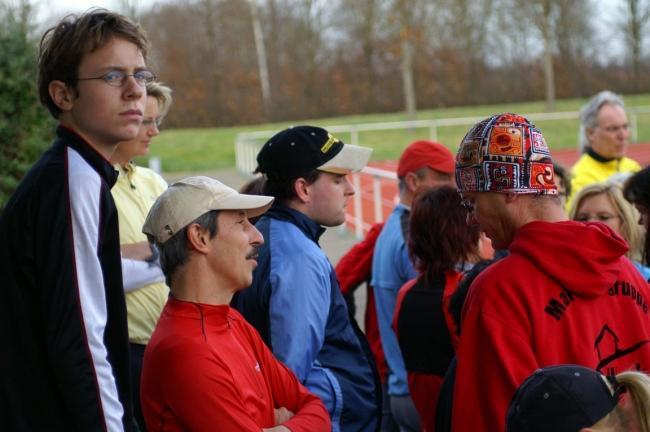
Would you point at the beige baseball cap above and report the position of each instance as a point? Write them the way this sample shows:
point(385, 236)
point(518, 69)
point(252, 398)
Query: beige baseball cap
point(192, 197)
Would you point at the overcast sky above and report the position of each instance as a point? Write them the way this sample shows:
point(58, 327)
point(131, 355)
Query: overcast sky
point(50, 10)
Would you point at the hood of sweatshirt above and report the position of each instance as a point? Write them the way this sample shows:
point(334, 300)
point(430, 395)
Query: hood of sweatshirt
point(582, 257)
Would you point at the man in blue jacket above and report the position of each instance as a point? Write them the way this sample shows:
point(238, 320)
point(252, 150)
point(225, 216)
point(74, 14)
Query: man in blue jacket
point(423, 164)
point(294, 301)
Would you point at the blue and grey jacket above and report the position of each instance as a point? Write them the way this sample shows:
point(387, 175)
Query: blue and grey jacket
point(296, 305)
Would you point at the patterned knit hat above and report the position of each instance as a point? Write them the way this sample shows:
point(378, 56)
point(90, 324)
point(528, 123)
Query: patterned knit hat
point(505, 153)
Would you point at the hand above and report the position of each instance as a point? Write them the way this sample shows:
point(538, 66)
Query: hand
point(140, 251)
point(282, 415)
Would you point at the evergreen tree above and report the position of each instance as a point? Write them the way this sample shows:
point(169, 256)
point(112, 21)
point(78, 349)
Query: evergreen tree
point(25, 126)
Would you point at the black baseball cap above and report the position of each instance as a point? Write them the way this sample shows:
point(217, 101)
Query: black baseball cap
point(564, 398)
point(298, 150)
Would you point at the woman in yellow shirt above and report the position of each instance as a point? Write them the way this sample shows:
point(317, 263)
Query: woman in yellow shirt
point(134, 193)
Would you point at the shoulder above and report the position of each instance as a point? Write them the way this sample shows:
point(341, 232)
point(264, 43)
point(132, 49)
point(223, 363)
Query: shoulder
point(628, 164)
point(151, 178)
point(583, 163)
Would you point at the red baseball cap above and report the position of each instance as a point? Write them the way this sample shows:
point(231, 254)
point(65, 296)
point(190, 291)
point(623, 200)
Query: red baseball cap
point(423, 153)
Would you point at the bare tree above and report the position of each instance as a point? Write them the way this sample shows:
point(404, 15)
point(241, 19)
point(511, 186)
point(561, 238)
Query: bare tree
point(633, 24)
point(129, 8)
point(404, 11)
point(261, 58)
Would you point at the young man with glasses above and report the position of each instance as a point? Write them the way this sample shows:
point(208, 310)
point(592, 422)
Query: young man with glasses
point(604, 140)
point(63, 325)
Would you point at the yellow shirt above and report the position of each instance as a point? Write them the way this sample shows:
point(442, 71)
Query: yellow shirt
point(588, 170)
point(134, 194)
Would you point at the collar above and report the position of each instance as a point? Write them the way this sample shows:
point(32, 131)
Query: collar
point(69, 138)
point(403, 207)
point(126, 172)
point(192, 310)
point(598, 157)
point(310, 228)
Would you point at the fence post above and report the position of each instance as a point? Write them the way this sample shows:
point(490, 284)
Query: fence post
point(358, 217)
point(378, 199)
point(354, 135)
point(433, 131)
point(154, 164)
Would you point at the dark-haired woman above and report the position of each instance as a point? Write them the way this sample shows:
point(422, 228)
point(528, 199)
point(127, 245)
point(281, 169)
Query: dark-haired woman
point(637, 191)
point(441, 245)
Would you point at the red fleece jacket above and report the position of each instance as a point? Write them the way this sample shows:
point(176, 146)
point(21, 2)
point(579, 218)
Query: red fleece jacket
point(565, 294)
point(207, 369)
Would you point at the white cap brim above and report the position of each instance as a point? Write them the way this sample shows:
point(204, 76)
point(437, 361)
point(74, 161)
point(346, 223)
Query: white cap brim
point(350, 159)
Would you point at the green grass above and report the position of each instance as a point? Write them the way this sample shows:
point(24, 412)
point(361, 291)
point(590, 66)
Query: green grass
point(194, 150)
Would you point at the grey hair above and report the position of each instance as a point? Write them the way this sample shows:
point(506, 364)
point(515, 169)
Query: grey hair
point(174, 253)
point(589, 114)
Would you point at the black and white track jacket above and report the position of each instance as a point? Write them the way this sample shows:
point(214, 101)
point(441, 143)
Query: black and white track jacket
point(64, 356)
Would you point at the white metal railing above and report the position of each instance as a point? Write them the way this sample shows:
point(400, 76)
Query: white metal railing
point(375, 196)
point(248, 144)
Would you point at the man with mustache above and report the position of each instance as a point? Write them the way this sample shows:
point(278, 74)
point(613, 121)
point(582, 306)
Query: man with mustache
point(63, 319)
point(205, 368)
point(295, 301)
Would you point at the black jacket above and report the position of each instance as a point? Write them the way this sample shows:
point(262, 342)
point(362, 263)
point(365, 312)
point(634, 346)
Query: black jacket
point(64, 361)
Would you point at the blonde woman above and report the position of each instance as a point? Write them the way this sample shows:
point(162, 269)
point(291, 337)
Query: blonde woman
point(604, 202)
point(571, 398)
point(134, 192)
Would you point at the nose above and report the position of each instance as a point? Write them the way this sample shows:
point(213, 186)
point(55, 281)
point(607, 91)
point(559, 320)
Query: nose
point(256, 237)
point(153, 130)
point(349, 189)
point(133, 90)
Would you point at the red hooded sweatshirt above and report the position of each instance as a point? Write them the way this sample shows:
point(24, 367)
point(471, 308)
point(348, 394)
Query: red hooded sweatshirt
point(565, 294)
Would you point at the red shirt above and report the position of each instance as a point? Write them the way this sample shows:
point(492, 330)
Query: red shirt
point(422, 328)
point(565, 294)
point(207, 369)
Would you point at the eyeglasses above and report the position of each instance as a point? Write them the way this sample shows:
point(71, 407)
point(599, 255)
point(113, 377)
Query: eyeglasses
point(117, 78)
point(148, 122)
point(615, 128)
point(468, 205)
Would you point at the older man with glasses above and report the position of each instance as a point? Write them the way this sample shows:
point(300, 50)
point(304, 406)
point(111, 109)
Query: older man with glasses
point(604, 140)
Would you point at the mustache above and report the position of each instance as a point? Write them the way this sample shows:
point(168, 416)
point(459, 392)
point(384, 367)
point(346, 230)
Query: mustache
point(253, 254)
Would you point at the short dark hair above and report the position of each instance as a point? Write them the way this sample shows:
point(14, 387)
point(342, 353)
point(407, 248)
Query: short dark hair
point(283, 190)
point(439, 237)
point(64, 46)
point(637, 191)
point(561, 173)
point(174, 252)
point(637, 188)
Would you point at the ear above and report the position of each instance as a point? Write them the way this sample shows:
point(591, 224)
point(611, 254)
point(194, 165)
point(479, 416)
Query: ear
point(302, 190)
point(411, 180)
point(62, 95)
point(590, 133)
point(198, 238)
